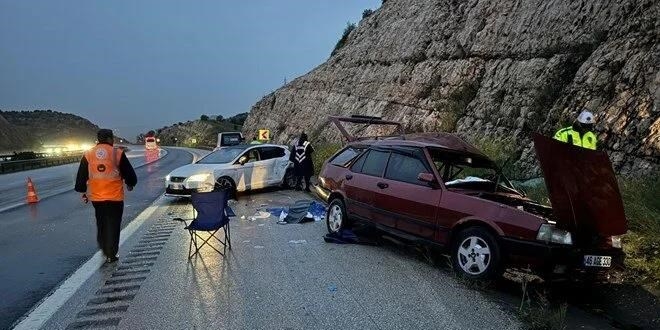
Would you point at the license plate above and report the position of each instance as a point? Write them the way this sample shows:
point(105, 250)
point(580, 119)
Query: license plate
point(176, 186)
point(597, 261)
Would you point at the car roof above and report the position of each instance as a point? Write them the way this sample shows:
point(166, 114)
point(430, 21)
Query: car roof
point(445, 141)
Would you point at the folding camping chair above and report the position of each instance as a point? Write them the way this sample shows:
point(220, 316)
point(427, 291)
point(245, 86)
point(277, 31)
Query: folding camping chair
point(213, 214)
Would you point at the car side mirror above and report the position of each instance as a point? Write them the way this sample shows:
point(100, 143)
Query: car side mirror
point(243, 160)
point(428, 178)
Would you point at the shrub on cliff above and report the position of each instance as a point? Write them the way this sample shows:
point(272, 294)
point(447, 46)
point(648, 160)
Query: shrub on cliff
point(344, 37)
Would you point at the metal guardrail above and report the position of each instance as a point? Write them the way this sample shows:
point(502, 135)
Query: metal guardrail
point(29, 164)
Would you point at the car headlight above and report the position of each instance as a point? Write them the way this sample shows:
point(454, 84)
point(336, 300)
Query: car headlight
point(198, 177)
point(549, 233)
point(167, 177)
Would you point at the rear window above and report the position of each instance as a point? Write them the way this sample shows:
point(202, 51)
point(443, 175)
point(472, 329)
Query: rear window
point(230, 139)
point(346, 156)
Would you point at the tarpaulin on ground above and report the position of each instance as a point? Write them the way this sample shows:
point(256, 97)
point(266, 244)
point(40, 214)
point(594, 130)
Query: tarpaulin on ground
point(301, 211)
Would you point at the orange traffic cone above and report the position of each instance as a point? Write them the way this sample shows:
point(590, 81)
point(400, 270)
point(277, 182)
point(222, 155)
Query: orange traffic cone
point(31, 193)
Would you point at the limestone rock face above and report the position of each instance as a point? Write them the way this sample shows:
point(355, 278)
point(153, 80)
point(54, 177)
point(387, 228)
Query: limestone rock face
point(496, 69)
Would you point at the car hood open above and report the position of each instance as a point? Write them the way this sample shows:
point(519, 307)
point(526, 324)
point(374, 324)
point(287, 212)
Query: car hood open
point(582, 188)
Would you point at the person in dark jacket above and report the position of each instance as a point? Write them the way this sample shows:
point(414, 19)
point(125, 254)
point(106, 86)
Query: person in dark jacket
point(303, 166)
point(102, 173)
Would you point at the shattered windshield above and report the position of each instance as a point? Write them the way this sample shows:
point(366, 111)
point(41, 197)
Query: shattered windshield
point(221, 156)
point(463, 171)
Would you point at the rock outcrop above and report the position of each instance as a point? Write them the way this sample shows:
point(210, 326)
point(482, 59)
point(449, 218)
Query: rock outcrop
point(496, 69)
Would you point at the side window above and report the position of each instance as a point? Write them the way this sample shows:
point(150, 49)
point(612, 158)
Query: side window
point(345, 156)
point(405, 168)
point(357, 166)
point(271, 152)
point(375, 162)
point(252, 155)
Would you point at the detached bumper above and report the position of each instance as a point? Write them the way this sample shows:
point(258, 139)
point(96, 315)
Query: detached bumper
point(560, 259)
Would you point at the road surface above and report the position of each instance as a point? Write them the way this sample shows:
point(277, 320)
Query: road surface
point(50, 181)
point(41, 244)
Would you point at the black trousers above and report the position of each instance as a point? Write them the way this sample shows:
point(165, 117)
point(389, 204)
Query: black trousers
point(108, 226)
point(299, 180)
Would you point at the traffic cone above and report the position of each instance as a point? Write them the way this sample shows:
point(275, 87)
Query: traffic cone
point(31, 193)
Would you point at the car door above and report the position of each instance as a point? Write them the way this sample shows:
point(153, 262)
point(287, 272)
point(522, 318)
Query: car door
point(248, 170)
point(360, 182)
point(275, 162)
point(404, 201)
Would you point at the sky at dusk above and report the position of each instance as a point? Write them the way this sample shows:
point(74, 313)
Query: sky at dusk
point(136, 65)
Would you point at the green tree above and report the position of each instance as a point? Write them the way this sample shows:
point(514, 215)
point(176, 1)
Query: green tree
point(344, 37)
point(204, 117)
point(366, 13)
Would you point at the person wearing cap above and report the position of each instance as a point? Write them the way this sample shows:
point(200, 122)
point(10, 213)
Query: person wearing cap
point(580, 133)
point(102, 173)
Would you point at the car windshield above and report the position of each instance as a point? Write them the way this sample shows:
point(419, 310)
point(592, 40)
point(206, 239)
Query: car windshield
point(222, 156)
point(463, 171)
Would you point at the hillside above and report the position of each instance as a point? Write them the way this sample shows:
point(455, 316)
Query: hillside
point(494, 70)
point(52, 127)
point(12, 139)
point(204, 130)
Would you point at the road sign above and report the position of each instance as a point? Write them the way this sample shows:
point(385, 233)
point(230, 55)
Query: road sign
point(264, 135)
point(193, 141)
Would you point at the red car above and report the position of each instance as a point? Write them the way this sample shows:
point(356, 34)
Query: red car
point(436, 188)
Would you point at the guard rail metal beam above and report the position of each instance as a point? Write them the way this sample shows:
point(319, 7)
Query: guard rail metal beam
point(29, 164)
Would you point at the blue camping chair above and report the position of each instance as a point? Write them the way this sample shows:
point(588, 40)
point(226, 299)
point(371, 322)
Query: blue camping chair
point(213, 214)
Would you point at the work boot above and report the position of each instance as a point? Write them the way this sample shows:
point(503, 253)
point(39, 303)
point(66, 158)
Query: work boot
point(111, 259)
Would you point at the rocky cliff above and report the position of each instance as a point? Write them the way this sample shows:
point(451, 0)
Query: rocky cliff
point(496, 69)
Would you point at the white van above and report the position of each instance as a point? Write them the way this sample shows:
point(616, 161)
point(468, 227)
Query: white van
point(227, 139)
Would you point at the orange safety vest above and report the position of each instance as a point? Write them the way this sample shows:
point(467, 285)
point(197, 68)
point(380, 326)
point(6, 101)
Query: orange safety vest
point(105, 182)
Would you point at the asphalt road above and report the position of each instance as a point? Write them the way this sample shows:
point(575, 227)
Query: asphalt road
point(49, 181)
point(40, 245)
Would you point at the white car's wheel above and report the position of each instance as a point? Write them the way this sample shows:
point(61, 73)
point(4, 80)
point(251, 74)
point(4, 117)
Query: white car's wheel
point(226, 183)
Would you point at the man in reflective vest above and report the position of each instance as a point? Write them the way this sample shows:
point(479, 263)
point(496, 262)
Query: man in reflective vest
point(101, 176)
point(580, 133)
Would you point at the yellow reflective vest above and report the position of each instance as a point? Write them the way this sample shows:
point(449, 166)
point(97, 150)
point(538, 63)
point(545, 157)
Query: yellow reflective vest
point(568, 134)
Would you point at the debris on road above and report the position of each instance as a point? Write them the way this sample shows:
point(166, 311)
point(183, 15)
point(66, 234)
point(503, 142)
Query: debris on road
point(299, 241)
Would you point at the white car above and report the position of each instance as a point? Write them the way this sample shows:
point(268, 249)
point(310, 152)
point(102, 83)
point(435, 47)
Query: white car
point(237, 168)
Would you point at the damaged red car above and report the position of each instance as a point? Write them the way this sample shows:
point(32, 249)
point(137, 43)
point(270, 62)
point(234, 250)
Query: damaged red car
point(436, 188)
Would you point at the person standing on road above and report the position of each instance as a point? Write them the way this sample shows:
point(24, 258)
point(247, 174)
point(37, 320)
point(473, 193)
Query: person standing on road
point(303, 166)
point(580, 133)
point(101, 176)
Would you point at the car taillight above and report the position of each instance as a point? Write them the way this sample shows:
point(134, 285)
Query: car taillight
point(615, 242)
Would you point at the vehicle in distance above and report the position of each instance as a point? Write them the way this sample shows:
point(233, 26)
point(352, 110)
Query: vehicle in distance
point(237, 168)
point(436, 188)
point(150, 143)
point(228, 139)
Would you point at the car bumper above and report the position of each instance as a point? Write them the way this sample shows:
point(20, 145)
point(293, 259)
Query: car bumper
point(560, 259)
point(322, 193)
point(179, 192)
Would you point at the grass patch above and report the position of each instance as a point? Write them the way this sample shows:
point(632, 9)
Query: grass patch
point(641, 200)
point(323, 152)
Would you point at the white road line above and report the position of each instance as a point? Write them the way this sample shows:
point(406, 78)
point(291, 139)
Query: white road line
point(45, 309)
